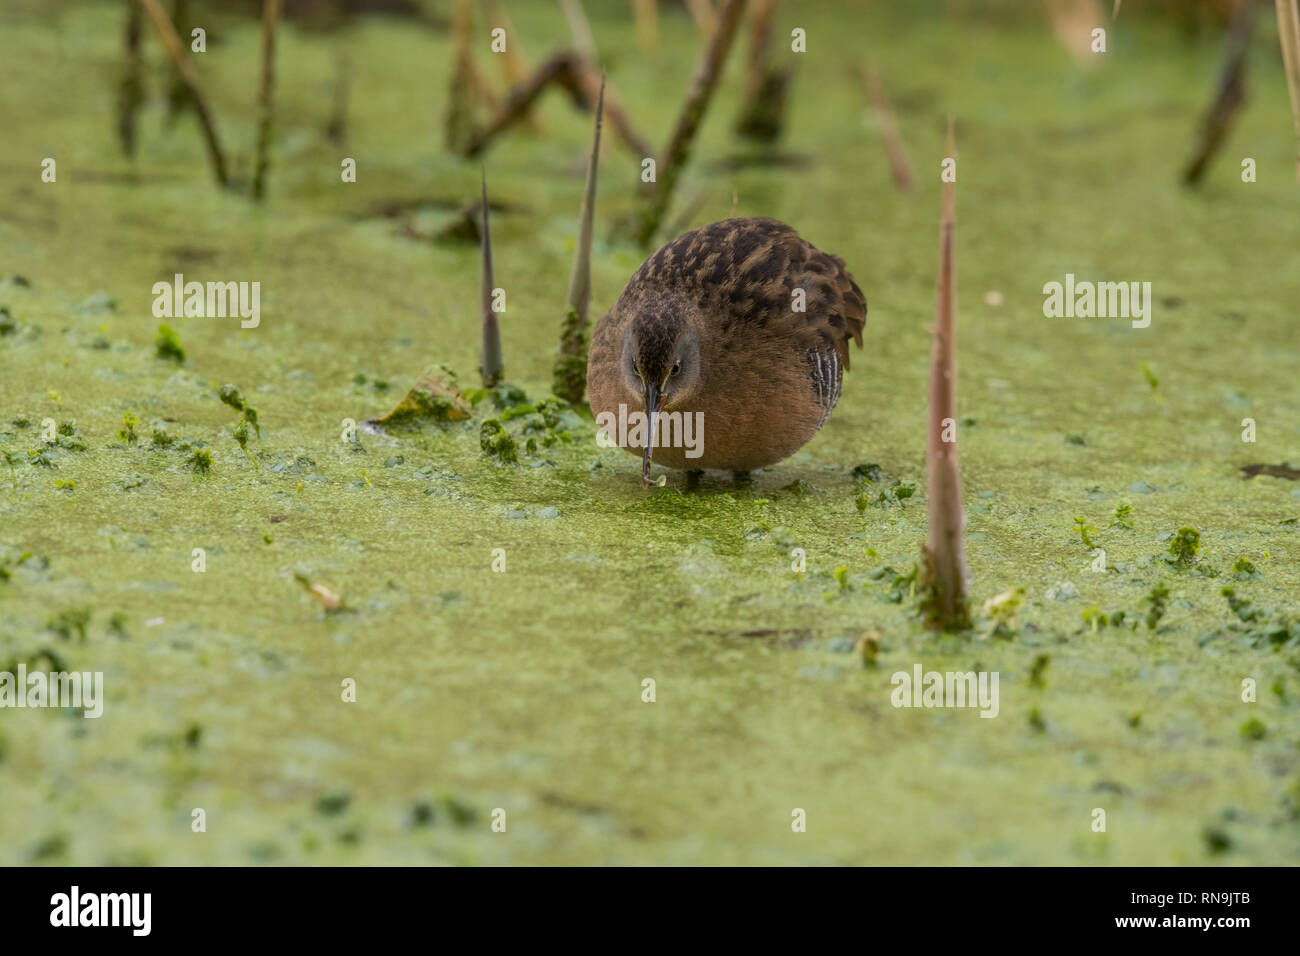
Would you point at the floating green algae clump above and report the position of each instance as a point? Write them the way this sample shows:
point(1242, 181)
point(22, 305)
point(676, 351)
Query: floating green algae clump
point(496, 442)
point(1184, 546)
point(435, 396)
point(200, 461)
point(1157, 602)
point(168, 345)
point(230, 396)
point(126, 434)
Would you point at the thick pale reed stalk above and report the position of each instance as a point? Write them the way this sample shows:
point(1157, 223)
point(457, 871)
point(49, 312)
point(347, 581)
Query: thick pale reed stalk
point(514, 63)
point(702, 13)
point(1073, 22)
point(647, 25)
point(493, 365)
point(579, 29)
point(688, 121)
point(1288, 29)
point(172, 44)
point(944, 573)
point(889, 135)
point(266, 122)
point(570, 376)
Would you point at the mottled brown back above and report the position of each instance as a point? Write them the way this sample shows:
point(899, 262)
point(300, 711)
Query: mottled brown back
point(743, 272)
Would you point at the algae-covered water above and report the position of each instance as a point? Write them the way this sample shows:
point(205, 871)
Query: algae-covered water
point(521, 690)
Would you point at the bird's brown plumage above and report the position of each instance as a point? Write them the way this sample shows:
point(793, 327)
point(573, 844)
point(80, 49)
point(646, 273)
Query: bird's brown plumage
point(768, 375)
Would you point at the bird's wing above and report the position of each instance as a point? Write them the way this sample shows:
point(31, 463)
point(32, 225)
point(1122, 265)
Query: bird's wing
point(826, 373)
point(759, 272)
point(834, 307)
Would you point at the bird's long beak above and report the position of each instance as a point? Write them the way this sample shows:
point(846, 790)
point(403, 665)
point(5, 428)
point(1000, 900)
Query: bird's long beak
point(654, 403)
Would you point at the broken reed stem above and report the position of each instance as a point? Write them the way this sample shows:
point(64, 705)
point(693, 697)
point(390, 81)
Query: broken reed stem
point(944, 556)
point(172, 44)
point(889, 135)
point(688, 121)
point(762, 112)
point(647, 25)
point(270, 16)
point(570, 376)
point(458, 128)
point(582, 84)
point(1073, 22)
point(760, 42)
point(177, 93)
point(1231, 93)
point(468, 84)
point(131, 91)
point(579, 29)
point(492, 365)
point(519, 101)
point(1288, 29)
point(513, 61)
point(702, 13)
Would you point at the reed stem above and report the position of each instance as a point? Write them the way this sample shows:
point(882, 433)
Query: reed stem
point(131, 91)
point(944, 574)
point(888, 126)
point(270, 17)
point(688, 121)
point(570, 376)
point(493, 365)
point(172, 44)
point(1288, 29)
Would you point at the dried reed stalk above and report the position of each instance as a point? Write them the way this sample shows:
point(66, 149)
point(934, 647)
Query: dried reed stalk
point(944, 574)
point(1288, 28)
point(889, 135)
point(688, 120)
point(266, 122)
point(1230, 93)
point(172, 44)
point(493, 365)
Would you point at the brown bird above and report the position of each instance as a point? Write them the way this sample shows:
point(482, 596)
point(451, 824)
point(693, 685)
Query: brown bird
point(740, 326)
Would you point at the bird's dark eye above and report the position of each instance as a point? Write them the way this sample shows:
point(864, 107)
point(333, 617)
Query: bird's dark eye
point(677, 368)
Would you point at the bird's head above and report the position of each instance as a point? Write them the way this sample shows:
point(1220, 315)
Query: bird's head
point(661, 365)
